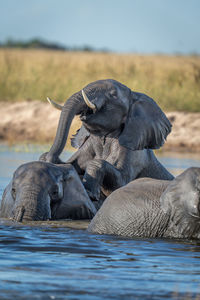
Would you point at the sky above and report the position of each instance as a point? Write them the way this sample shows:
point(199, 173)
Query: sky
point(139, 26)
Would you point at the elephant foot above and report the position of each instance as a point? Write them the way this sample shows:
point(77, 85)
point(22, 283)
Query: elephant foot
point(92, 187)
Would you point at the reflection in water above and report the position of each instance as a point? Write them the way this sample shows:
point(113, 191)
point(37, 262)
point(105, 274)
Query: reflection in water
point(60, 260)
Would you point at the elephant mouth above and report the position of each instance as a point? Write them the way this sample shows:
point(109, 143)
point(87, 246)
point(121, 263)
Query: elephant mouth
point(96, 130)
point(86, 115)
point(54, 208)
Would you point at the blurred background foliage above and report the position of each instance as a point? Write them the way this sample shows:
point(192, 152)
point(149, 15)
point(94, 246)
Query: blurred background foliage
point(30, 74)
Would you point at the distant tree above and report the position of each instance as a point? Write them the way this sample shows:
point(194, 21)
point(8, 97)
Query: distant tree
point(38, 43)
point(33, 43)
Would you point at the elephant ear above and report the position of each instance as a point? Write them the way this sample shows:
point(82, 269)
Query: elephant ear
point(7, 202)
point(75, 203)
point(80, 137)
point(146, 125)
point(183, 192)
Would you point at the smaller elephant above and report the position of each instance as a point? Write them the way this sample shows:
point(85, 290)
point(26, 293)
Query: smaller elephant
point(42, 191)
point(153, 208)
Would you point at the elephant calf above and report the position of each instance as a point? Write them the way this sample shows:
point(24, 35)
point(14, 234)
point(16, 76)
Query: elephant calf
point(42, 191)
point(153, 208)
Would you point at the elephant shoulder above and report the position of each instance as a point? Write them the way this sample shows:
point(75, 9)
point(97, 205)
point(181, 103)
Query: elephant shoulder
point(80, 137)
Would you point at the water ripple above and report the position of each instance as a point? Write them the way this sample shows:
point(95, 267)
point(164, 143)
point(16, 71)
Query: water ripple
point(60, 260)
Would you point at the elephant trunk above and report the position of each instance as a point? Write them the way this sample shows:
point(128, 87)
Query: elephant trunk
point(72, 107)
point(19, 214)
point(23, 213)
point(32, 206)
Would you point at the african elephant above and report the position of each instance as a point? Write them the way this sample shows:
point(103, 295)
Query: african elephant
point(120, 127)
point(42, 191)
point(153, 208)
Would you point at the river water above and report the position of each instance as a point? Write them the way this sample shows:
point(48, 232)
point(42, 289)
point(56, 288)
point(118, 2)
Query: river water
point(56, 260)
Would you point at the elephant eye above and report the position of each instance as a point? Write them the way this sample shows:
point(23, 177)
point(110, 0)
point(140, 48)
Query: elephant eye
point(13, 193)
point(68, 177)
point(54, 192)
point(113, 94)
point(198, 207)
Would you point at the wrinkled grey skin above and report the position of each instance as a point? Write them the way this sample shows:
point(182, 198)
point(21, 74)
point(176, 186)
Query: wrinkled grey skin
point(114, 138)
point(42, 191)
point(153, 208)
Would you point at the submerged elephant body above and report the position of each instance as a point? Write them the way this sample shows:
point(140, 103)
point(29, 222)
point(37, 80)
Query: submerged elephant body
point(145, 207)
point(120, 127)
point(42, 191)
point(153, 208)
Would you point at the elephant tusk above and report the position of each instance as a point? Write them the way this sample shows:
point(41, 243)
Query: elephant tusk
point(87, 101)
point(54, 104)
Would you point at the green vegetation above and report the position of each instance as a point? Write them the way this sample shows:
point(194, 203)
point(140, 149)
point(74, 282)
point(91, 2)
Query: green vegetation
point(37, 43)
point(173, 81)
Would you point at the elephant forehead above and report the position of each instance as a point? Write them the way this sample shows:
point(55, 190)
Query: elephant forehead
point(31, 166)
point(191, 175)
point(104, 89)
point(99, 87)
point(32, 172)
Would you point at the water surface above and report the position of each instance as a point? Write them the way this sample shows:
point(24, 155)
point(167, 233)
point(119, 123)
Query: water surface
point(55, 260)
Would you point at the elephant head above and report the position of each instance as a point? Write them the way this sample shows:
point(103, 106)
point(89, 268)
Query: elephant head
point(181, 201)
point(42, 191)
point(107, 107)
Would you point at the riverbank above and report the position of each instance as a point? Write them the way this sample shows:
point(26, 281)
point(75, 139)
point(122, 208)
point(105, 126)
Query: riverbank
point(35, 121)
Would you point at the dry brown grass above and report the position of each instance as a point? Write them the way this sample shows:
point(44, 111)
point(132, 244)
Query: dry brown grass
point(173, 81)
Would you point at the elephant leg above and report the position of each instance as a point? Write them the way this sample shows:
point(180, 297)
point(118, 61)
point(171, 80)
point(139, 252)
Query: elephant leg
point(101, 173)
point(82, 157)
